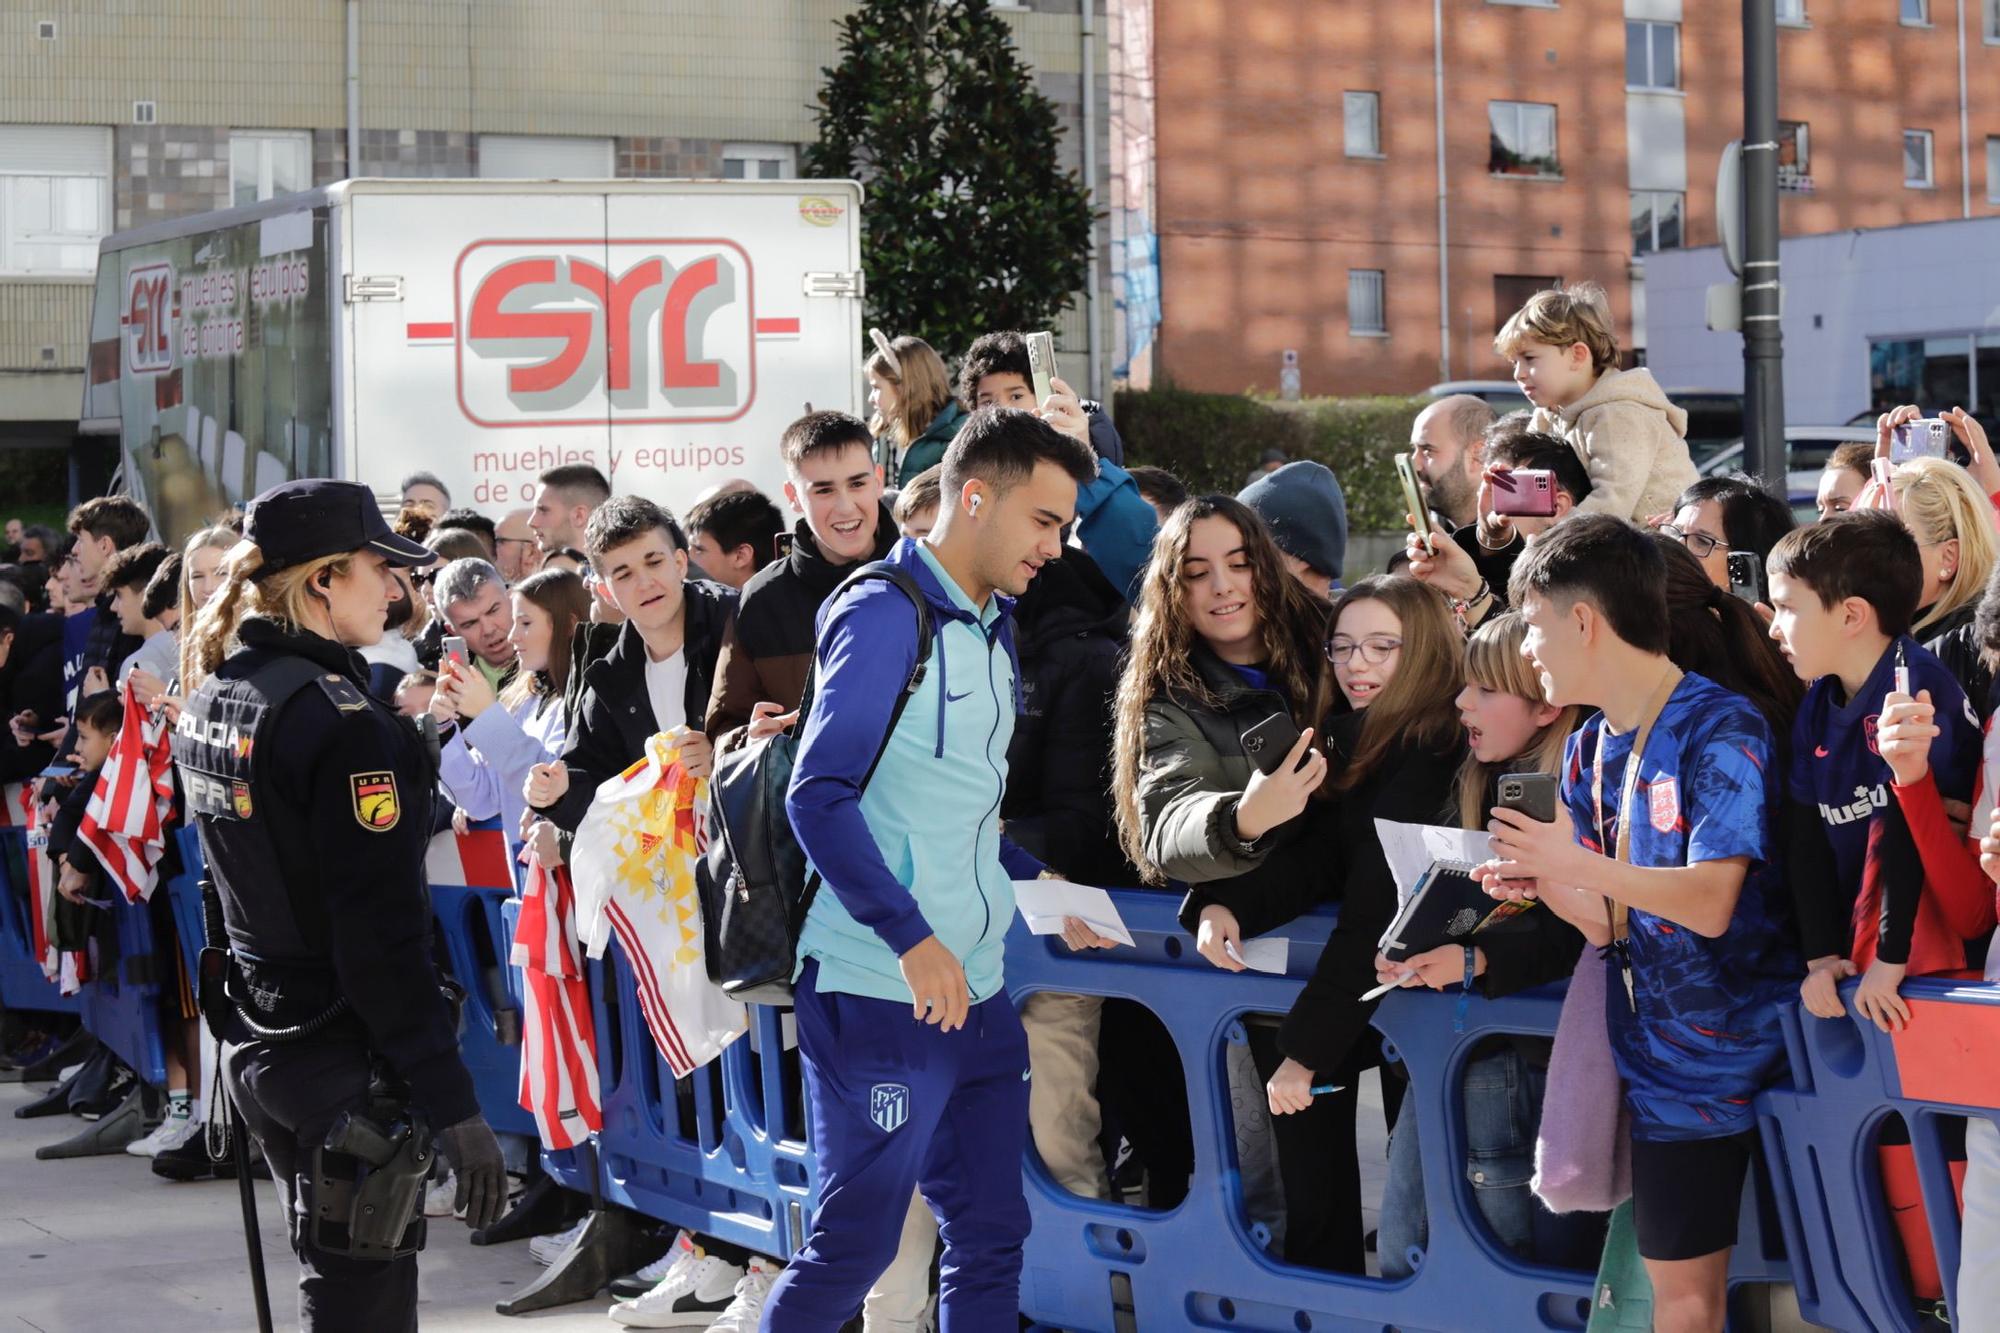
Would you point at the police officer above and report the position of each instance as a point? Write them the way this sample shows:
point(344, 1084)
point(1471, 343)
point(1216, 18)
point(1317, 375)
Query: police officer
point(313, 801)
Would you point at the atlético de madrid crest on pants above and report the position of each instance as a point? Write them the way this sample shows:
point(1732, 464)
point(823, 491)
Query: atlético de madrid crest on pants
point(889, 1106)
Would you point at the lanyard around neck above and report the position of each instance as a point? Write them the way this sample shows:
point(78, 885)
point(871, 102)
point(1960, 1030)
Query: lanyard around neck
point(1615, 912)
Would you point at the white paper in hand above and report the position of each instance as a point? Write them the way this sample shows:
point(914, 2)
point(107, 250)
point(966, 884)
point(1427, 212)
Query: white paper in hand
point(1266, 953)
point(1410, 848)
point(1045, 902)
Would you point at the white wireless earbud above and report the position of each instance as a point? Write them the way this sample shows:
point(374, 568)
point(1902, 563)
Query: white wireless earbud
point(975, 503)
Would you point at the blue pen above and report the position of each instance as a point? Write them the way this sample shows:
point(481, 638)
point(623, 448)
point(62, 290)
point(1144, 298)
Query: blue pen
point(1324, 1088)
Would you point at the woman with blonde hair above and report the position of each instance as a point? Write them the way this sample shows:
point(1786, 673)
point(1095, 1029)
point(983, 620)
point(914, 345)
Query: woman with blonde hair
point(911, 396)
point(1509, 728)
point(1953, 524)
point(312, 800)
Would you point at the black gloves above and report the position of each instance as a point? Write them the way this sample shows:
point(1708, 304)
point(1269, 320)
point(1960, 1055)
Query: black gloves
point(474, 1154)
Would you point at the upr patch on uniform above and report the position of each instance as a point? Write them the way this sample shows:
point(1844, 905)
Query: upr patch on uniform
point(375, 803)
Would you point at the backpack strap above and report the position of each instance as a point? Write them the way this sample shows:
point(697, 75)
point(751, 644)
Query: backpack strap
point(884, 572)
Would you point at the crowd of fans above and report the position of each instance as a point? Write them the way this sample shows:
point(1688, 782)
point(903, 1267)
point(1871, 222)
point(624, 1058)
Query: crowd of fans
point(1813, 745)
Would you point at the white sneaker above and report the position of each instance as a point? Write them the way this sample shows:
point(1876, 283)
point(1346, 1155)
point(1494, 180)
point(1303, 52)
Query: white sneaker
point(746, 1312)
point(441, 1196)
point(545, 1250)
point(694, 1288)
point(172, 1132)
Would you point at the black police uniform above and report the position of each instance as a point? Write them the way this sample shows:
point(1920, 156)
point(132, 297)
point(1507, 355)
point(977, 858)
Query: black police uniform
point(313, 803)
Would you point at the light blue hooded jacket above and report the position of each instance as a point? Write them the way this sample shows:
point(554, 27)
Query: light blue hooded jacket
point(919, 853)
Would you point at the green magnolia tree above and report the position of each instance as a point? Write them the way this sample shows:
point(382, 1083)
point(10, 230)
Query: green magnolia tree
point(971, 224)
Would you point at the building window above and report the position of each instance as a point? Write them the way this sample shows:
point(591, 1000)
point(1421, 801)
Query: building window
point(1366, 307)
point(1512, 290)
point(538, 157)
point(1656, 220)
point(1917, 160)
point(55, 198)
point(1652, 55)
point(264, 164)
point(1992, 170)
point(1361, 119)
point(1916, 13)
point(758, 162)
point(1794, 155)
point(1990, 21)
point(1523, 139)
point(1790, 11)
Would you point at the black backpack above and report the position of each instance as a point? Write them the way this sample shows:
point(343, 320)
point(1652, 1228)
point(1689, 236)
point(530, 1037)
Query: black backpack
point(754, 887)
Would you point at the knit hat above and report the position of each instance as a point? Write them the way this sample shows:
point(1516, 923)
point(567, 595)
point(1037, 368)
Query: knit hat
point(1302, 505)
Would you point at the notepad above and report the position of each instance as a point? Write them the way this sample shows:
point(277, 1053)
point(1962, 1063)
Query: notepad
point(1441, 901)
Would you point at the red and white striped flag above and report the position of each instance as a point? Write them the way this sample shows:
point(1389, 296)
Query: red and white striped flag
point(42, 893)
point(558, 1035)
point(125, 822)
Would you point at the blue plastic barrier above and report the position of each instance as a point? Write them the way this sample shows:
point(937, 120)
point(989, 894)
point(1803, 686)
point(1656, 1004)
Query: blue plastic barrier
point(22, 983)
point(477, 940)
point(717, 1157)
point(1821, 1132)
point(121, 1005)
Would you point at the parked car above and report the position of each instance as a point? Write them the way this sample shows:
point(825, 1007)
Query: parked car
point(1806, 450)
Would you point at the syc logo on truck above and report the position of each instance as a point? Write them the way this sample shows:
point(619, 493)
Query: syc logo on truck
point(587, 332)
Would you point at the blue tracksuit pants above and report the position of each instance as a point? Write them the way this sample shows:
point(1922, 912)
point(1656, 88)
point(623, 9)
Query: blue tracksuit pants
point(896, 1104)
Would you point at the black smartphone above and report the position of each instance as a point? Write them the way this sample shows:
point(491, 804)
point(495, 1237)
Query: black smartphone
point(1533, 794)
point(1270, 741)
point(1746, 577)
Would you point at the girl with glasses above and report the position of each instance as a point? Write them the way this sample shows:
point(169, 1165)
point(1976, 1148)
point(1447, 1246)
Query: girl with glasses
point(1394, 745)
point(1718, 515)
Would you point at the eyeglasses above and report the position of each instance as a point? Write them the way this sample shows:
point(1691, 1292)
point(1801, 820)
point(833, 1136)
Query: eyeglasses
point(1374, 650)
point(513, 541)
point(1699, 544)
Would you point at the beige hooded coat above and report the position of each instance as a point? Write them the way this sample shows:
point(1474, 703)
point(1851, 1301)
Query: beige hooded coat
point(1632, 440)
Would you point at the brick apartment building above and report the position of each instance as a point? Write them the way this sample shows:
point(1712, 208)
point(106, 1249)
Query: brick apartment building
point(118, 114)
point(1292, 194)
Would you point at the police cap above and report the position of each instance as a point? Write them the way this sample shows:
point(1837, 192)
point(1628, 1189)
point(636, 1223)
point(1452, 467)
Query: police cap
point(297, 521)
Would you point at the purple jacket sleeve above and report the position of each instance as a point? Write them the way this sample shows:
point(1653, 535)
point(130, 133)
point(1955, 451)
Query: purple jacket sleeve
point(867, 645)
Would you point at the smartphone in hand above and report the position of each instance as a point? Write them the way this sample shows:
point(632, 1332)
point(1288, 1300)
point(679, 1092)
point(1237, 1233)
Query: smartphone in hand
point(1270, 741)
point(1042, 364)
point(454, 650)
point(1413, 502)
point(1746, 577)
point(1532, 794)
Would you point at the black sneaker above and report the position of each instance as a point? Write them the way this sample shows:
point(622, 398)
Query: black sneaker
point(190, 1161)
point(116, 1089)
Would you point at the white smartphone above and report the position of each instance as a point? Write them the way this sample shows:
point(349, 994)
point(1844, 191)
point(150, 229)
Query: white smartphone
point(1042, 364)
point(454, 650)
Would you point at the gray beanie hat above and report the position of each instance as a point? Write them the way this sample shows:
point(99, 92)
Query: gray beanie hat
point(1302, 505)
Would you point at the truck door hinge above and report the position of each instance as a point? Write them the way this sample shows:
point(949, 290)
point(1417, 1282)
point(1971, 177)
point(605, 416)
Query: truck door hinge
point(371, 288)
point(835, 284)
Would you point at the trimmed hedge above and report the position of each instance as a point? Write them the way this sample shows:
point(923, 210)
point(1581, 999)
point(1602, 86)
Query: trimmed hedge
point(1213, 441)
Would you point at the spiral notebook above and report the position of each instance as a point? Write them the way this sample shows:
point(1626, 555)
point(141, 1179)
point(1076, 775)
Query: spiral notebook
point(1441, 901)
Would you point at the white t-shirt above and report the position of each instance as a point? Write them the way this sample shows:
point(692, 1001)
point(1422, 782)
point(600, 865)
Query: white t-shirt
point(666, 686)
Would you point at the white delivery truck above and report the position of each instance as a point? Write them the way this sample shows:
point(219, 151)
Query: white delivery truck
point(664, 332)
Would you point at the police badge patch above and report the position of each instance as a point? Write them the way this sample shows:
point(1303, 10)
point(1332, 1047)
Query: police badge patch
point(375, 803)
point(239, 794)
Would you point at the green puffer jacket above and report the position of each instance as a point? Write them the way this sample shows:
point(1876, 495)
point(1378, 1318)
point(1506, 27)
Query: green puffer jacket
point(927, 450)
point(1194, 771)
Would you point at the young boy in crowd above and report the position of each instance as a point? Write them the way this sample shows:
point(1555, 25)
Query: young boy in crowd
point(1161, 489)
point(733, 535)
point(1662, 853)
point(98, 719)
point(1843, 593)
point(1114, 522)
point(834, 485)
point(1619, 422)
point(917, 506)
point(127, 575)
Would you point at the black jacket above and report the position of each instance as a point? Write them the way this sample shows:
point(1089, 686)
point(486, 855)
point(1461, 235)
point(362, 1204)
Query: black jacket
point(1070, 635)
point(32, 681)
point(613, 718)
point(1956, 643)
point(1337, 857)
point(766, 654)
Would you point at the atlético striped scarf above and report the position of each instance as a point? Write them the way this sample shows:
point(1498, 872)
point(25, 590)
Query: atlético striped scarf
point(125, 822)
point(558, 1036)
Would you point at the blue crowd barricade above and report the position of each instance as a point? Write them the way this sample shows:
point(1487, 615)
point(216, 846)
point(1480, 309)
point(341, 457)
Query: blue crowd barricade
point(1821, 1134)
point(1090, 1263)
point(23, 985)
point(120, 1004)
point(715, 1152)
point(184, 896)
point(471, 881)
